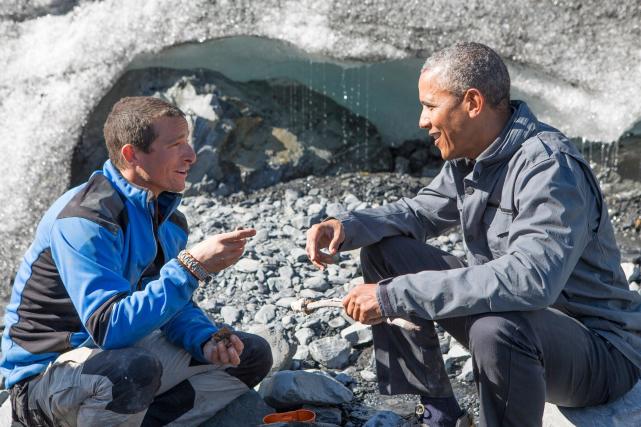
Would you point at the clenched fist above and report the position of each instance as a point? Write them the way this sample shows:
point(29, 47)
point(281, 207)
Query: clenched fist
point(224, 352)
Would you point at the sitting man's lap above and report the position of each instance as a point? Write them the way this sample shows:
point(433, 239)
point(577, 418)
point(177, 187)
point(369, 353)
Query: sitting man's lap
point(152, 383)
point(521, 357)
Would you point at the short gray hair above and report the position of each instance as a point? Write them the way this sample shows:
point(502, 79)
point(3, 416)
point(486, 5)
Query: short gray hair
point(468, 65)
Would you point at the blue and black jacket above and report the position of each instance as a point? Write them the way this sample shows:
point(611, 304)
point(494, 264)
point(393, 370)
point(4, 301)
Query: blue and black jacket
point(102, 272)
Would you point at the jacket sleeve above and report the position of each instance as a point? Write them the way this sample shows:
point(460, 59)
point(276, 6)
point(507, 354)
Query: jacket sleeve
point(189, 329)
point(545, 241)
point(429, 214)
point(89, 260)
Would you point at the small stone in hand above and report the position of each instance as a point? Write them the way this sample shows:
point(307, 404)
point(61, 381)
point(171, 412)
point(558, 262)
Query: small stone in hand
point(223, 334)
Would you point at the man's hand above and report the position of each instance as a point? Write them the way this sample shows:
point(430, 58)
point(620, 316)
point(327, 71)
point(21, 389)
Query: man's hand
point(361, 304)
point(221, 250)
point(224, 353)
point(328, 234)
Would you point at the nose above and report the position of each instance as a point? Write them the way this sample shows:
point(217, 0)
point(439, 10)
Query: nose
point(424, 121)
point(190, 154)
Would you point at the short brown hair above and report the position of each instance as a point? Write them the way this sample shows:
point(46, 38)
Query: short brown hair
point(130, 122)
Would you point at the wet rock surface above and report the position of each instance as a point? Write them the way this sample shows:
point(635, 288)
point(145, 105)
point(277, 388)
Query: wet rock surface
point(289, 389)
point(248, 410)
point(246, 135)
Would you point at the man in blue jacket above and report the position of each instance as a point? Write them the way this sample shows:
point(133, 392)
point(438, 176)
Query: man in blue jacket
point(101, 328)
point(541, 300)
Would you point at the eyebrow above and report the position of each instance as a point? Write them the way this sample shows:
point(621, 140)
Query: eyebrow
point(179, 137)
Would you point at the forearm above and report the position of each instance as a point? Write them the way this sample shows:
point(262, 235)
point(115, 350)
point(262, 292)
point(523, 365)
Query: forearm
point(122, 322)
point(510, 283)
point(406, 217)
point(545, 241)
point(190, 329)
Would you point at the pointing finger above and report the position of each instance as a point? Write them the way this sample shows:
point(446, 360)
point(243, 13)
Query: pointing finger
point(237, 234)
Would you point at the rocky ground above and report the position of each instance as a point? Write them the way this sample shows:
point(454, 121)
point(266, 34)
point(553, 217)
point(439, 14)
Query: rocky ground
point(323, 361)
point(255, 295)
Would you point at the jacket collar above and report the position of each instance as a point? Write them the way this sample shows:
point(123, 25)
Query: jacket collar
point(140, 197)
point(521, 126)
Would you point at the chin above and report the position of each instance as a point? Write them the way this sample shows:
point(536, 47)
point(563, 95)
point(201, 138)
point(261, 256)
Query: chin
point(178, 188)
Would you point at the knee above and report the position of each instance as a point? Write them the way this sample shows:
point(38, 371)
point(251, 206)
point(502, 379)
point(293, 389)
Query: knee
point(133, 376)
point(261, 353)
point(492, 337)
point(369, 254)
point(373, 258)
point(255, 361)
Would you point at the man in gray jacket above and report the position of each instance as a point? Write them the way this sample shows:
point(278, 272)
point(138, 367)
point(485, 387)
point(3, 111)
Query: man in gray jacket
point(541, 301)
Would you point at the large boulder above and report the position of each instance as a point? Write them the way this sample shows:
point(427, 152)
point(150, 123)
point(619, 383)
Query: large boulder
point(623, 412)
point(289, 389)
point(248, 410)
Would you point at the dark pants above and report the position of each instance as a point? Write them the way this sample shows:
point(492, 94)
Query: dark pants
point(521, 359)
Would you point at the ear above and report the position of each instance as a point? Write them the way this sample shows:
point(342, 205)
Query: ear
point(474, 102)
point(128, 153)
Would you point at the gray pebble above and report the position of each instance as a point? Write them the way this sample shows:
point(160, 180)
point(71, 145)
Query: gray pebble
point(266, 314)
point(332, 352)
point(230, 315)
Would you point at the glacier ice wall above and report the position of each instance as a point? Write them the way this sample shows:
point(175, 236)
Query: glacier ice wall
point(59, 57)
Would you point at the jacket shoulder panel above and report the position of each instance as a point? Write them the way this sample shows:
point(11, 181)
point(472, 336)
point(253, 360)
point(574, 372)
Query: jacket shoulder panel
point(180, 220)
point(98, 202)
point(548, 143)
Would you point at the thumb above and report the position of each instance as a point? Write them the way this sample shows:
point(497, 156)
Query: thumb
point(335, 242)
point(333, 246)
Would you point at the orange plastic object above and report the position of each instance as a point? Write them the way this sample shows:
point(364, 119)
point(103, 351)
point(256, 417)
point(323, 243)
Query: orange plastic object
point(301, 415)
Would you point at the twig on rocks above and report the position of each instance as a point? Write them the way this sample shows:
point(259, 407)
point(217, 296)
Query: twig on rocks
point(307, 306)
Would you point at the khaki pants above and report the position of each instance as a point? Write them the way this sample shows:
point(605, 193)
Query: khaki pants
point(152, 383)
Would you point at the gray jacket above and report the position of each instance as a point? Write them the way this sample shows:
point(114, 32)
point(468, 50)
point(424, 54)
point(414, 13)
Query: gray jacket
point(536, 231)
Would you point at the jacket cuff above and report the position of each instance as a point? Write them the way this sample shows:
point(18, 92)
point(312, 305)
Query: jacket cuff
point(182, 275)
point(347, 220)
point(383, 298)
point(200, 339)
point(338, 217)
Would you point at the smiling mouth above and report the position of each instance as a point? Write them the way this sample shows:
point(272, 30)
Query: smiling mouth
point(435, 136)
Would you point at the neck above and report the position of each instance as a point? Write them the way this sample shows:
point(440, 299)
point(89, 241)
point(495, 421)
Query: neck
point(490, 127)
point(137, 179)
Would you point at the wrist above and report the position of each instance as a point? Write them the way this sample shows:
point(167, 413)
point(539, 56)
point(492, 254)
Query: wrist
point(192, 265)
